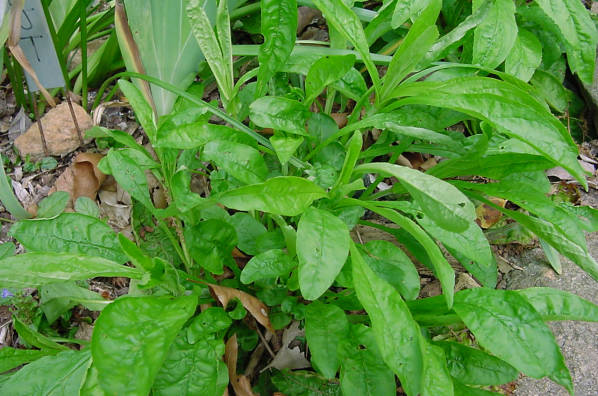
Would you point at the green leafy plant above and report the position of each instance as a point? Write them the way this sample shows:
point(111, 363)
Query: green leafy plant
point(289, 202)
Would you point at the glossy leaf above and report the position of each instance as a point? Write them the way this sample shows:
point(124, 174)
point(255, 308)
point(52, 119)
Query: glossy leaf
point(211, 243)
point(397, 334)
point(57, 298)
point(69, 233)
point(363, 374)
point(525, 56)
point(447, 206)
point(240, 161)
point(554, 304)
point(32, 337)
point(270, 264)
point(476, 367)
point(391, 264)
point(285, 195)
point(58, 375)
point(322, 249)
point(190, 135)
point(503, 322)
point(437, 380)
point(326, 325)
point(285, 146)
point(131, 340)
point(210, 321)
point(248, 230)
point(490, 48)
point(37, 269)
point(578, 31)
point(192, 369)
point(279, 113)
point(324, 72)
point(551, 90)
point(279, 28)
point(143, 110)
point(53, 205)
point(130, 176)
point(11, 358)
point(506, 107)
point(353, 150)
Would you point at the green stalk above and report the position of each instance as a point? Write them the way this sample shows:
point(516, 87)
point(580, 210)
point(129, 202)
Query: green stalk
point(83, 32)
point(59, 51)
point(15, 80)
point(8, 198)
point(252, 50)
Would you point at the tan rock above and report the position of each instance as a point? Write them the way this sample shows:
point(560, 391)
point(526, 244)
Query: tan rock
point(59, 131)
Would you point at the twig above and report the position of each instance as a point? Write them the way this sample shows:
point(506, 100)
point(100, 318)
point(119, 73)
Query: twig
point(259, 333)
point(39, 126)
point(68, 100)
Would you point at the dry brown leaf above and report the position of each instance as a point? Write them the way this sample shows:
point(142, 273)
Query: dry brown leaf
point(305, 17)
point(240, 383)
point(287, 357)
point(82, 178)
point(487, 216)
point(257, 308)
point(340, 119)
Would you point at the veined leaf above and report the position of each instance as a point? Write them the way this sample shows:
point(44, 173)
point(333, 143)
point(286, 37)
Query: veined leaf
point(279, 28)
point(508, 108)
point(11, 357)
point(69, 233)
point(279, 113)
point(525, 56)
point(495, 36)
point(142, 108)
point(397, 334)
point(284, 195)
point(437, 380)
point(270, 264)
point(554, 304)
point(505, 324)
point(130, 176)
point(37, 269)
point(322, 249)
point(353, 150)
point(238, 160)
point(363, 374)
point(53, 205)
point(324, 72)
point(131, 339)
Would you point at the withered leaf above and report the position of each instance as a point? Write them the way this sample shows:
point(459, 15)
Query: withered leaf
point(257, 308)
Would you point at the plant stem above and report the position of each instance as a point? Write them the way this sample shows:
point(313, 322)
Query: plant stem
point(83, 32)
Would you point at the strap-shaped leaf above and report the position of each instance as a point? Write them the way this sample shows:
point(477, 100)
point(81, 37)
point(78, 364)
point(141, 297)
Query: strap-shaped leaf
point(554, 304)
point(490, 48)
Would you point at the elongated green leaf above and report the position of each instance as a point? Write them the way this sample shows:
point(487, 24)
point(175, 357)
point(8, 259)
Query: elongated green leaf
point(130, 176)
point(353, 150)
point(340, 16)
point(285, 146)
point(131, 339)
point(193, 369)
point(59, 375)
point(397, 334)
point(551, 90)
point(322, 249)
point(505, 324)
point(490, 48)
point(525, 56)
point(239, 160)
point(279, 113)
point(476, 367)
point(554, 304)
point(57, 298)
point(285, 195)
point(324, 72)
point(506, 107)
point(211, 243)
point(7, 249)
point(270, 264)
point(447, 206)
point(326, 326)
point(197, 134)
point(143, 110)
point(69, 233)
point(86, 206)
point(53, 205)
point(553, 257)
point(437, 380)
point(363, 374)
point(391, 264)
point(32, 337)
point(279, 28)
point(11, 357)
point(7, 196)
point(36, 269)
point(578, 31)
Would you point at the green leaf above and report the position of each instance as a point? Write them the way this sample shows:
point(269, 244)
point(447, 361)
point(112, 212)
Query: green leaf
point(34, 338)
point(391, 264)
point(248, 230)
point(476, 367)
point(437, 380)
point(239, 160)
point(69, 233)
point(57, 298)
point(322, 249)
point(279, 28)
point(525, 56)
point(211, 243)
point(447, 206)
point(53, 205)
point(552, 256)
point(304, 383)
point(210, 321)
point(397, 334)
point(7, 196)
point(553, 304)
point(36, 269)
point(189, 134)
point(324, 72)
point(326, 325)
point(279, 113)
point(142, 109)
point(551, 90)
point(285, 195)
point(192, 369)
point(495, 36)
point(7, 249)
point(363, 374)
point(130, 176)
point(285, 146)
point(131, 339)
point(464, 390)
point(353, 150)
point(505, 324)
point(578, 31)
point(270, 264)
point(59, 375)
point(506, 107)
point(87, 206)
point(11, 357)
point(340, 16)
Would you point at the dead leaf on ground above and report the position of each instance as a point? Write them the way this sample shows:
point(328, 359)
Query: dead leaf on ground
point(82, 178)
point(562, 174)
point(240, 383)
point(340, 119)
point(305, 17)
point(59, 130)
point(486, 215)
point(257, 308)
point(287, 357)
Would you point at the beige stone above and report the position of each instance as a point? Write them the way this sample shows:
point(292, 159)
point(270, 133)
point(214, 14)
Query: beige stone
point(59, 131)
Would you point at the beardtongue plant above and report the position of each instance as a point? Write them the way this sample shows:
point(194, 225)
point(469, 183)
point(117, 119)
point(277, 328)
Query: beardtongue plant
point(289, 203)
